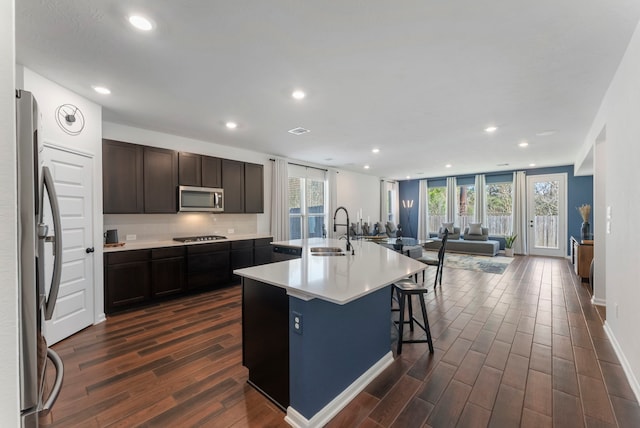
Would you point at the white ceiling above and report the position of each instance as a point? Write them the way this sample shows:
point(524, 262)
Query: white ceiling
point(418, 79)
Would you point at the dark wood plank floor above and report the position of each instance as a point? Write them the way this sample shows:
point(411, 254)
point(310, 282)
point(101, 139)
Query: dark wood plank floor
point(520, 349)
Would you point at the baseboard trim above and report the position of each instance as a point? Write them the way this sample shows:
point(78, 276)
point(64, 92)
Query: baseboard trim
point(597, 301)
point(633, 381)
point(295, 419)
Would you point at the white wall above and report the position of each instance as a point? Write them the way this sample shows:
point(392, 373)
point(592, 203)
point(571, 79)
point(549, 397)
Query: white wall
point(9, 392)
point(358, 192)
point(49, 96)
point(163, 226)
point(619, 113)
point(600, 221)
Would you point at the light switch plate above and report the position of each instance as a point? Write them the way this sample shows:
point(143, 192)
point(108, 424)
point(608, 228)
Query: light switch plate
point(131, 237)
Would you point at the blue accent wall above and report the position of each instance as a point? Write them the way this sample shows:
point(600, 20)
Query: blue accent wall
point(579, 191)
point(337, 345)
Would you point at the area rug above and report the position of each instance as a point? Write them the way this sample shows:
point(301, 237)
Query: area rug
point(497, 264)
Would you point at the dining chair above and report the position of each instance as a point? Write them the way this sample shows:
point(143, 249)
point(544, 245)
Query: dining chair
point(439, 262)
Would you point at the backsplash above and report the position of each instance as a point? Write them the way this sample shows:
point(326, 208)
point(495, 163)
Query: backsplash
point(159, 227)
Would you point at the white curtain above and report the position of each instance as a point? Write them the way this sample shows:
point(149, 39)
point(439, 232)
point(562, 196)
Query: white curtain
point(423, 211)
point(383, 203)
point(332, 182)
point(480, 206)
point(451, 200)
point(520, 212)
point(396, 202)
point(280, 200)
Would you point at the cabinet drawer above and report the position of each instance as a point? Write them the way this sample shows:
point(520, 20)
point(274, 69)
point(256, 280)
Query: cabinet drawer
point(238, 245)
point(208, 248)
point(163, 253)
point(263, 242)
point(128, 256)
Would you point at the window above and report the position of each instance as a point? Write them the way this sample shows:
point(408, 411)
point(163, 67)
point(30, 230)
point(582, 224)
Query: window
point(465, 205)
point(307, 210)
point(437, 207)
point(499, 208)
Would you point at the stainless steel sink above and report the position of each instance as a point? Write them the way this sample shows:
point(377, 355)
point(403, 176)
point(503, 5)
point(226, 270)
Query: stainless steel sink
point(326, 250)
point(327, 254)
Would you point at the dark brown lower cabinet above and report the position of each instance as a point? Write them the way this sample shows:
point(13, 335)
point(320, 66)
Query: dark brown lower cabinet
point(136, 277)
point(241, 257)
point(168, 268)
point(127, 279)
point(262, 251)
point(208, 266)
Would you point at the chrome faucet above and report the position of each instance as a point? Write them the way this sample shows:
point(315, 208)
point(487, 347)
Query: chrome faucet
point(349, 246)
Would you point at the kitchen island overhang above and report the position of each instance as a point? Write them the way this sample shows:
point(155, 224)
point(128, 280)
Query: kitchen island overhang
point(337, 330)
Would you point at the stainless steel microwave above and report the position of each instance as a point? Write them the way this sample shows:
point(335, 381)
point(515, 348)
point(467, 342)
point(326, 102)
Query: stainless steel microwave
point(202, 199)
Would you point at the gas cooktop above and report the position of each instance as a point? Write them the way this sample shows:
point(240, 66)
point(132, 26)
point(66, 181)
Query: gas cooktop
point(200, 238)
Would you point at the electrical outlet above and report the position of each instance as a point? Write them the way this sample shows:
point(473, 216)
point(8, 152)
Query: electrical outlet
point(297, 322)
point(231, 230)
point(131, 237)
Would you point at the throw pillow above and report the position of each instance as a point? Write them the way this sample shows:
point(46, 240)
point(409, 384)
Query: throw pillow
point(475, 228)
point(447, 226)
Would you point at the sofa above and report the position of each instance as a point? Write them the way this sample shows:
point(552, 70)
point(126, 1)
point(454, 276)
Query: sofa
point(469, 243)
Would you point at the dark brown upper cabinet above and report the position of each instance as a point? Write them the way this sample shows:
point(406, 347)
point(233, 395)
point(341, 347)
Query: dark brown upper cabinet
point(211, 171)
point(253, 188)
point(199, 170)
point(189, 169)
point(160, 180)
point(122, 178)
point(233, 185)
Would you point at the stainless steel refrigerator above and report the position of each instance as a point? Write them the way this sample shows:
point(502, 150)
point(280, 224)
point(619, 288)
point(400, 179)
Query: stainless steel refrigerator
point(37, 298)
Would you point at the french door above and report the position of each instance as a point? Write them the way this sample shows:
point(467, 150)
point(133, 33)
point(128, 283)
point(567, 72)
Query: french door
point(547, 215)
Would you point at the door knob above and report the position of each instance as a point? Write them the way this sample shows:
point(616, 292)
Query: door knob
point(89, 250)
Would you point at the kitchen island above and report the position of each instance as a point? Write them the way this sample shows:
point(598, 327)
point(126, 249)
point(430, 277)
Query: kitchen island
point(316, 330)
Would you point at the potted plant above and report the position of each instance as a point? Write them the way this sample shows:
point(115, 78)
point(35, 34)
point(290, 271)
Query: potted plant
point(508, 246)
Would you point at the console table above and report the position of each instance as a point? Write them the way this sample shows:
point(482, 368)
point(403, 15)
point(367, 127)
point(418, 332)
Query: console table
point(581, 256)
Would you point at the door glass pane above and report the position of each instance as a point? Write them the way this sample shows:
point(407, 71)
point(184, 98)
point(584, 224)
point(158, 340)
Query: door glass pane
point(295, 227)
point(546, 201)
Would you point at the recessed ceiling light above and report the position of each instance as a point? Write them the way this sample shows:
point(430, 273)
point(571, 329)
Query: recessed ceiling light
point(366, 167)
point(101, 90)
point(491, 129)
point(298, 94)
point(298, 131)
point(532, 164)
point(375, 151)
point(140, 22)
point(231, 125)
point(546, 133)
point(408, 177)
point(502, 164)
point(448, 165)
point(523, 144)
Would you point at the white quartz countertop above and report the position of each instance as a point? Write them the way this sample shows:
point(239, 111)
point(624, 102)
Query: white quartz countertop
point(145, 245)
point(337, 279)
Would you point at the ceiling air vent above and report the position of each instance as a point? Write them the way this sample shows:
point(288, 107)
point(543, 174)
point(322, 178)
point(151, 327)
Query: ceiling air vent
point(298, 131)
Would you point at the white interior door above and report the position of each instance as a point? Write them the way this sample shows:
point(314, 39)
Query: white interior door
point(73, 178)
point(547, 214)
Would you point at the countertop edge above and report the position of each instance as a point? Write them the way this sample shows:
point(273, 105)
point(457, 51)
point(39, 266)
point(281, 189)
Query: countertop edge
point(147, 245)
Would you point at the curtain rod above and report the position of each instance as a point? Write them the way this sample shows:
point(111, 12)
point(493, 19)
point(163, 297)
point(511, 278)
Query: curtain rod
point(304, 166)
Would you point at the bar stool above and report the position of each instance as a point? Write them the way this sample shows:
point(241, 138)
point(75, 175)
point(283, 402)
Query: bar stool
point(405, 288)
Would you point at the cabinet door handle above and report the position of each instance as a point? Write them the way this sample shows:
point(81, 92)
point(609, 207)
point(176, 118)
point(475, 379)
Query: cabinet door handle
point(89, 250)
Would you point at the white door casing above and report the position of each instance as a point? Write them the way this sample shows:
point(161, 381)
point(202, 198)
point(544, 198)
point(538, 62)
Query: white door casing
point(73, 179)
point(547, 215)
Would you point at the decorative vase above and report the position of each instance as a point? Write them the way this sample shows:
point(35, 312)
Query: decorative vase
point(584, 231)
